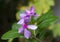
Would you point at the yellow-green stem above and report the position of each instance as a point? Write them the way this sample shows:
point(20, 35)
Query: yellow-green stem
point(34, 33)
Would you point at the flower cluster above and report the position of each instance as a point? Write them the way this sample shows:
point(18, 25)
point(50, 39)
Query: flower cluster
point(25, 18)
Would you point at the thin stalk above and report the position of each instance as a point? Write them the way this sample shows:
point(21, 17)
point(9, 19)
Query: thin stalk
point(36, 38)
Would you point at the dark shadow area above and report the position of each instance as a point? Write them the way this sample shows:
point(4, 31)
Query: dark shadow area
point(7, 16)
point(57, 9)
point(8, 9)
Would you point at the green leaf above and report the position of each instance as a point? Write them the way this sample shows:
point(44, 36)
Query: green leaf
point(56, 29)
point(43, 22)
point(10, 40)
point(47, 22)
point(10, 34)
point(45, 16)
point(15, 26)
point(46, 19)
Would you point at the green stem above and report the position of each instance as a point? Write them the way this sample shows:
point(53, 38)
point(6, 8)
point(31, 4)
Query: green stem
point(34, 36)
point(38, 40)
point(10, 40)
point(34, 33)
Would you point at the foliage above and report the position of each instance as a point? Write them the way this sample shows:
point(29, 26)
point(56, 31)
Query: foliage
point(44, 21)
point(42, 6)
point(55, 28)
point(15, 26)
point(11, 34)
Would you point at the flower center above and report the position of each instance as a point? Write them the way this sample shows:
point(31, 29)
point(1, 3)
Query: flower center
point(28, 16)
point(25, 26)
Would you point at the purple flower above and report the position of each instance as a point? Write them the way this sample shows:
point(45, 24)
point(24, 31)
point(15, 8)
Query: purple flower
point(31, 12)
point(24, 30)
point(24, 26)
point(24, 20)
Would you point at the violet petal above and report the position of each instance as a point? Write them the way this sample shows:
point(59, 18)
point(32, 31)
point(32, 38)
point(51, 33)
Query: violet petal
point(21, 21)
point(32, 27)
point(22, 15)
point(27, 33)
point(27, 12)
point(20, 30)
point(32, 9)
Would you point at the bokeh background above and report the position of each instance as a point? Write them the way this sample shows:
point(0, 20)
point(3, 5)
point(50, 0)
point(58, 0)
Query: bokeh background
point(8, 9)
